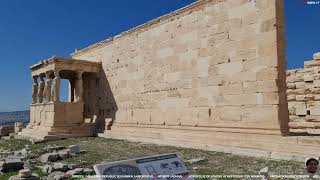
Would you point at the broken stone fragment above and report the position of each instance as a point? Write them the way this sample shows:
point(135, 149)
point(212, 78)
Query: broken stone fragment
point(63, 154)
point(29, 164)
point(57, 175)
point(73, 166)
point(25, 173)
point(264, 172)
point(77, 171)
point(22, 152)
point(74, 149)
point(195, 160)
point(11, 165)
point(47, 169)
point(51, 149)
point(49, 157)
point(60, 167)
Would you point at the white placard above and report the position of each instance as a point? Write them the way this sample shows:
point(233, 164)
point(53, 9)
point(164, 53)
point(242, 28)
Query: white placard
point(165, 166)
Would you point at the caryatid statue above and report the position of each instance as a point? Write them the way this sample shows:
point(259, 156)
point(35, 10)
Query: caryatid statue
point(56, 87)
point(47, 89)
point(40, 89)
point(35, 90)
point(79, 87)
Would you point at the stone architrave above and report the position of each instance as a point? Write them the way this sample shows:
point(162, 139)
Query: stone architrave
point(40, 90)
point(56, 87)
point(34, 90)
point(47, 89)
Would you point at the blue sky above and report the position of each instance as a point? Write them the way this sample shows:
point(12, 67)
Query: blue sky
point(37, 29)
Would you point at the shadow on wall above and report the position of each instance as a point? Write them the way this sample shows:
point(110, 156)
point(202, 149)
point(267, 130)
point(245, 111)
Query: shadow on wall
point(106, 104)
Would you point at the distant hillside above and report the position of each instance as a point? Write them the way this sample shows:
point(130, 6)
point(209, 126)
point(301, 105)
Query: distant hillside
point(9, 118)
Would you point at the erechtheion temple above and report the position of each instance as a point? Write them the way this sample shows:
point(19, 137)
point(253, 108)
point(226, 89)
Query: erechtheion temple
point(211, 75)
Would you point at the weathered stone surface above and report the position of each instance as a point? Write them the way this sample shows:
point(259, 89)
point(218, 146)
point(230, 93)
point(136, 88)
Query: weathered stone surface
point(57, 175)
point(74, 149)
point(22, 152)
point(77, 171)
point(63, 154)
point(264, 172)
point(49, 157)
point(47, 169)
point(25, 173)
point(11, 164)
point(60, 167)
point(51, 149)
point(29, 164)
point(196, 160)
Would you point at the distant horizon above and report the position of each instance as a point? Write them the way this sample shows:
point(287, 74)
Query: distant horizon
point(35, 31)
point(13, 111)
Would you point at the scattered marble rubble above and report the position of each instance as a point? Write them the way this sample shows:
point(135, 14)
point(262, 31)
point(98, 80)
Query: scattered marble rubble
point(45, 161)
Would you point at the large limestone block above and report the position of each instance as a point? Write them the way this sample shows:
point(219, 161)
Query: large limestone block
point(188, 37)
point(238, 100)
point(267, 86)
point(230, 113)
point(311, 118)
point(292, 97)
point(315, 111)
point(141, 116)
point(267, 74)
point(295, 91)
point(172, 77)
point(296, 78)
point(268, 25)
point(122, 116)
point(172, 117)
point(218, 80)
point(229, 69)
point(269, 98)
point(311, 63)
point(208, 116)
point(316, 83)
point(308, 78)
point(301, 109)
point(260, 113)
point(189, 117)
point(202, 67)
point(243, 77)
point(314, 131)
point(260, 86)
point(300, 85)
point(235, 88)
point(300, 97)
point(157, 116)
point(174, 102)
point(241, 11)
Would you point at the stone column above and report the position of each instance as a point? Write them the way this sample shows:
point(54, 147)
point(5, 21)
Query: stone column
point(56, 87)
point(40, 89)
point(47, 89)
point(35, 90)
point(79, 87)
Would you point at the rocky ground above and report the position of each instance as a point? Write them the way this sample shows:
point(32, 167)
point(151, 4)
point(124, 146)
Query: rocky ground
point(76, 156)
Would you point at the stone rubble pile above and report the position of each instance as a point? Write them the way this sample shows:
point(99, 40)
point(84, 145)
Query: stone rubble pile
point(25, 174)
point(303, 95)
point(46, 160)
